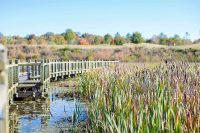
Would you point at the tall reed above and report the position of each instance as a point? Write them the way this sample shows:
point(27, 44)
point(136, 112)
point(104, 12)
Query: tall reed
point(136, 98)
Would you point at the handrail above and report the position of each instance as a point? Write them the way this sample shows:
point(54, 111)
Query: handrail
point(45, 70)
point(3, 92)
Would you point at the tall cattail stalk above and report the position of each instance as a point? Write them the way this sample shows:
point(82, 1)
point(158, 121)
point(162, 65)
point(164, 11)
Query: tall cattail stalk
point(136, 98)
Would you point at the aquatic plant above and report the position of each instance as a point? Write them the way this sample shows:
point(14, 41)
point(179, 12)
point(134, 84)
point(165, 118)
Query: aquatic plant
point(143, 98)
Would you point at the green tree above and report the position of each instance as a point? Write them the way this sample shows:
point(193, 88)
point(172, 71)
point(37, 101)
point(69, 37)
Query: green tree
point(137, 38)
point(108, 39)
point(59, 40)
point(119, 40)
point(128, 37)
point(69, 35)
point(96, 40)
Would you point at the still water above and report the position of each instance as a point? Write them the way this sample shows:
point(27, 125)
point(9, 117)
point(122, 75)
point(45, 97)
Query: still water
point(45, 116)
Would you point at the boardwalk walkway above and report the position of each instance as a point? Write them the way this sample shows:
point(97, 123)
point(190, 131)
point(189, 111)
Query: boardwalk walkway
point(33, 78)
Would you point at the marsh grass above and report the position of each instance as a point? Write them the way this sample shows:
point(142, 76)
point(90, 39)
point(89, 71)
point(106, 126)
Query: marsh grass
point(136, 98)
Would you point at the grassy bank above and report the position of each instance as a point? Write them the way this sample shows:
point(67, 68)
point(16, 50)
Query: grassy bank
point(126, 53)
point(137, 98)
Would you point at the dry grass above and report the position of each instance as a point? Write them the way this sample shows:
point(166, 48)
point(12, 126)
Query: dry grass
point(144, 45)
point(128, 52)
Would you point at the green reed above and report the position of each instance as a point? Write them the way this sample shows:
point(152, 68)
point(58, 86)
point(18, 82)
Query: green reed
point(136, 98)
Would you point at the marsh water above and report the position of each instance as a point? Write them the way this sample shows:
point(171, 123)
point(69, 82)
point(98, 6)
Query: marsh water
point(45, 116)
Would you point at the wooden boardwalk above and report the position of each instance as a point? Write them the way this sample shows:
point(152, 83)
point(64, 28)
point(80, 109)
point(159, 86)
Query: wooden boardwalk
point(32, 78)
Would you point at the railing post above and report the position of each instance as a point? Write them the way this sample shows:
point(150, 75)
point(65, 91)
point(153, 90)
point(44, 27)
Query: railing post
point(36, 69)
point(56, 70)
point(11, 74)
point(82, 66)
point(16, 75)
point(3, 92)
point(32, 69)
point(42, 71)
point(48, 67)
point(89, 65)
point(95, 64)
point(76, 66)
point(69, 68)
point(63, 67)
point(85, 63)
point(17, 71)
point(29, 69)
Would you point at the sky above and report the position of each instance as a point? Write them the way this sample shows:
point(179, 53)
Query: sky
point(150, 17)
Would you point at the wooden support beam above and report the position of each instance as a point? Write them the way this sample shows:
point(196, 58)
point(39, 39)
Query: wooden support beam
point(3, 92)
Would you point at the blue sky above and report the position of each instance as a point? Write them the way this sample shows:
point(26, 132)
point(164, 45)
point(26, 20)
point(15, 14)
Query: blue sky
point(22, 17)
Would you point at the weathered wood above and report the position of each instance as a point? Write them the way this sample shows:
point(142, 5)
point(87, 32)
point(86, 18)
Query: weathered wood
point(30, 82)
point(40, 72)
point(27, 85)
point(3, 92)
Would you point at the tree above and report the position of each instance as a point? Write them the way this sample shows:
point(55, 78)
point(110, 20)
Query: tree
point(137, 38)
point(59, 40)
point(69, 35)
point(48, 34)
point(128, 37)
point(83, 42)
point(89, 37)
point(119, 40)
point(96, 40)
point(30, 37)
point(108, 39)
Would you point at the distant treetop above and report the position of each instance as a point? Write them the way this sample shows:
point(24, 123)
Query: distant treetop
point(71, 37)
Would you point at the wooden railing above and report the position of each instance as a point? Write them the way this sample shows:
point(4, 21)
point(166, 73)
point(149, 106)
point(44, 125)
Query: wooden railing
point(16, 73)
point(42, 72)
point(3, 92)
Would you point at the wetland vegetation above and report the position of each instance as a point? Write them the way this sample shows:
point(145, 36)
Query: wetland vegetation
point(143, 98)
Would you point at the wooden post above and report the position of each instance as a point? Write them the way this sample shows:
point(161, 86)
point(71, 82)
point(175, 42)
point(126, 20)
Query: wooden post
point(82, 66)
point(29, 70)
point(89, 65)
point(63, 69)
point(3, 92)
point(86, 65)
point(17, 71)
point(76, 66)
point(69, 68)
point(42, 72)
point(56, 70)
point(10, 80)
point(16, 76)
point(36, 69)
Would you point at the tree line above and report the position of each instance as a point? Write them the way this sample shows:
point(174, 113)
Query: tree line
point(71, 37)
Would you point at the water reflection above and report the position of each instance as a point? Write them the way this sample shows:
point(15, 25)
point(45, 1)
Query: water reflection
point(45, 116)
